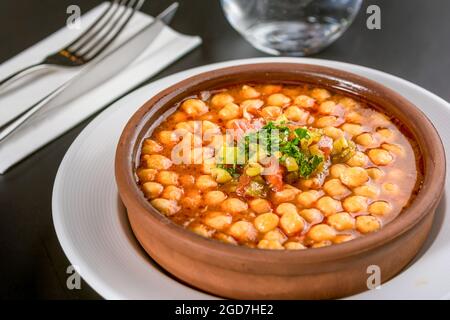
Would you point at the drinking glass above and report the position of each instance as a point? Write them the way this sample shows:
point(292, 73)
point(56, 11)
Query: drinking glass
point(290, 27)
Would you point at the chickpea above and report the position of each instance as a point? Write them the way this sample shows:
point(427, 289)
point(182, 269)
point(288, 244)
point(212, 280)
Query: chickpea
point(322, 244)
point(229, 111)
point(296, 114)
point(380, 208)
point(348, 103)
point(158, 162)
point(234, 205)
point(340, 238)
point(304, 101)
point(194, 107)
point(221, 99)
point(386, 134)
point(225, 238)
point(260, 205)
point(167, 137)
point(266, 222)
point(326, 121)
point(379, 120)
point(359, 159)
point(367, 224)
point(277, 235)
point(168, 207)
point(369, 191)
point(394, 148)
point(313, 183)
point(390, 188)
point(207, 167)
point(375, 173)
point(307, 198)
point(187, 126)
point(354, 117)
point(271, 88)
point(287, 194)
point(341, 221)
point(337, 169)
point(218, 220)
point(321, 232)
point(365, 139)
point(271, 112)
point(278, 99)
point(312, 216)
point(191, 200)
point(327, 107)
point(186, 180)
point(354, 176)
point(335, 188)
point(292, 245)
point(146, 175)
point(320, 94)
point(202, 230)
point(213, 198)
point(380, 157)
point(286, 208)
point(355, 204)
point(270, 244)
point(291, 91)
point(248, 92)
point(151, 146)
point(205, 182)
point(352, 129)
point(332, 132)
point(243, 231)
point(291, 223)
point(152, 189)
point(252, 104)
point(178, 116)
point(167, 177)
point(209, 127)
point(172, 193)
point(328, 205)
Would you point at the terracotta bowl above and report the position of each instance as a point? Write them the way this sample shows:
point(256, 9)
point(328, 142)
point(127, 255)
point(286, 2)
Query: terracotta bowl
point(245, 273)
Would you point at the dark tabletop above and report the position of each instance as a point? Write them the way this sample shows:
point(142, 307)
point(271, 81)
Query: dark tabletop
point(413, 43)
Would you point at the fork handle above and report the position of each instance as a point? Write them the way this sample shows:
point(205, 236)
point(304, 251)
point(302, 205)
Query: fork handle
point(21, 73)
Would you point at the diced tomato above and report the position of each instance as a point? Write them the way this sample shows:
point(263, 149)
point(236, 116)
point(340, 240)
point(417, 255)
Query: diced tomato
point(275, 180)
point(242, 127)
point(244, 181)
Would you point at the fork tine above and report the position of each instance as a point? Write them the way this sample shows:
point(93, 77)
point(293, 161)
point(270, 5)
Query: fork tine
point(88, 36)
point(103, 43)
point(93, 25)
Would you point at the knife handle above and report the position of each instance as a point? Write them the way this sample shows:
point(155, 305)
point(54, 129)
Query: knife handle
point(21, 73)
point(20, 119)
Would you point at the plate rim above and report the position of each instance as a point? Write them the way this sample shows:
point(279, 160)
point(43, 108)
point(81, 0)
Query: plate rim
point(104, 289)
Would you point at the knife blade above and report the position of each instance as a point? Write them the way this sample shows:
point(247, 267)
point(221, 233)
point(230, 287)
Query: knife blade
point(98, 71)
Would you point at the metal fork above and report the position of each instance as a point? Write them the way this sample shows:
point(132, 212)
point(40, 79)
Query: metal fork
point(90, 43)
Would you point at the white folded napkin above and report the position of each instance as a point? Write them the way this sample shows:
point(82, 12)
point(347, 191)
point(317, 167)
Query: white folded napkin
point(52, 121)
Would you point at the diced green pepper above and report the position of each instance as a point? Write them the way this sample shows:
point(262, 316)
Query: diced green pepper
point(291, 164)
point(254, 169)
point(221, 175)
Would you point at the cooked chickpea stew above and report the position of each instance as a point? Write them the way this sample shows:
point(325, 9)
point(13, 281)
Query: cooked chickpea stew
point(279, 166)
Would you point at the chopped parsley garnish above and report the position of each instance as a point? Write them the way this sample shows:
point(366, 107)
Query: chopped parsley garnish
point(275, 137)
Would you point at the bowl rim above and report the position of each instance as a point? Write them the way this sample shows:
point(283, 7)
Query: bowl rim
point(424, 203)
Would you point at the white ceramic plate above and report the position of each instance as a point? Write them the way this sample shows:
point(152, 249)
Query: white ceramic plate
point(91, 222)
